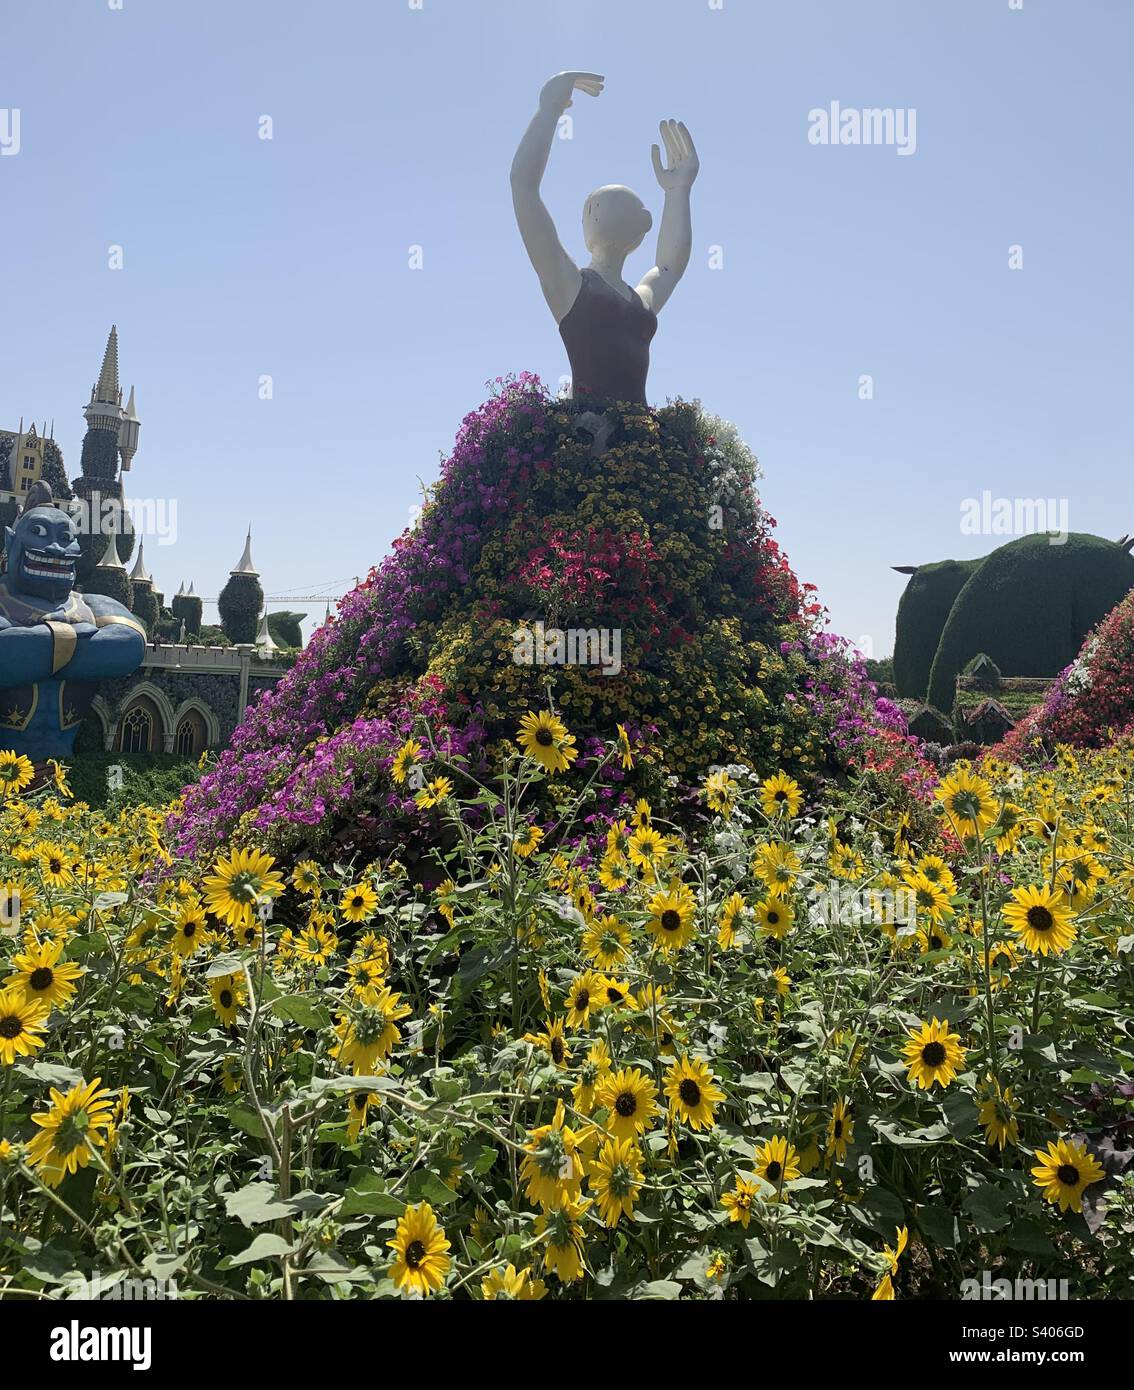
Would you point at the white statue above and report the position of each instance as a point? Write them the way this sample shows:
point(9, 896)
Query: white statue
point(605, 323)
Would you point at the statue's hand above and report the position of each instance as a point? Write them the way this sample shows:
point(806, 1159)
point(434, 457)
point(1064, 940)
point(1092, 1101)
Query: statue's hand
point(558, 90)
point(683, 164)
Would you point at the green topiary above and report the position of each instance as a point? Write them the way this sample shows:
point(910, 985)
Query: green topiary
point(114, 584)
point(285, 628)
point(190, 608)
point(1028, 606)
point(54, 473)
point(922, 614)
point(145, 607)
point(240, 603)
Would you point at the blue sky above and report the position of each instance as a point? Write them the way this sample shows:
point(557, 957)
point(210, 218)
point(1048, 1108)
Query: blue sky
point(394, 126)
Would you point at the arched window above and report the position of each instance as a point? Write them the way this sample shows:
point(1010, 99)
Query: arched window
point(191, 736)
point(138, 730)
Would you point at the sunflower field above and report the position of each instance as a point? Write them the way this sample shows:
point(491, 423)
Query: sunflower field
point(770, 1049)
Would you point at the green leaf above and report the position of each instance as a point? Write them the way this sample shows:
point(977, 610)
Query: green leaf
point(940, 1225)
point(259, 1201)
point(296, 1008)
point(987, 1210)
point(265, 1247)
point(247, 1120)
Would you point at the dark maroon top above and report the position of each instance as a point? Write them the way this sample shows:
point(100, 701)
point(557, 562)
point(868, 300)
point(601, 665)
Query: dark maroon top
point(608, 341)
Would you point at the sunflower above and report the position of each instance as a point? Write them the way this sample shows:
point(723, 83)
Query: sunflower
point(42, 976)
point(671, 922)
point(435, 791)
point(731, 913)
point(774, 917)
point(631, 1098)
point(357, 903)
point(188, 929)
point(595, 1066)
point(228, 994)
point(777, 1162)
point(420, 1246)
point(693, 1092)
point(625, 751)
point(239, 884)
point(583, 996)
point(934, 938)
point(369, 1035)
point(615, 1178)
point(933, 1054)
point(510, 1285)
point(781, 796)
point(777, 865)
point(935, 869)
point(998, 1116)
point(643, 815)
point(68, 1129)
point(544, 738)
point(738, 1203)
point(553, 1040)
point(1064, 1171)
point(551, 1168)
point(648, 851)
point(305, 878)
point(614, 872)
point(408, 756)
point(967, 800)
point(22, 1021)
point(526, 841)
point(614, 992)
point(55, 867)
point(1041, 918)
point(606, 942)
point(718, 791)
point(884, 1293)
point(930, 899)
point(563, 1239)
point(840, 1131)
point(16, 772)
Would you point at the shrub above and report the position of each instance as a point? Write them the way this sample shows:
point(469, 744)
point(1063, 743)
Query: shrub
point(922, 613)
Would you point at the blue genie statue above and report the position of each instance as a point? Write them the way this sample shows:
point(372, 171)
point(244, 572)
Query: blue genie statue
point(55, 644)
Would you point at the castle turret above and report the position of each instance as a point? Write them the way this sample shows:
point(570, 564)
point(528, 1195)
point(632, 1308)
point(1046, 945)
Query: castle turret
point(241, 600)
point(128, 433)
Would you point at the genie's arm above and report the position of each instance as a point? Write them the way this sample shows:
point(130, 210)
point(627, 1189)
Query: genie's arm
point(115, 646)
point(26, 654)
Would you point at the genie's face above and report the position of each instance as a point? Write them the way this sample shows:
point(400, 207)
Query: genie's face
point(42, 550)
point(615, 219)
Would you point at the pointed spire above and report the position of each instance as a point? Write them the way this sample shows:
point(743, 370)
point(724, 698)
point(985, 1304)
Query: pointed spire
point(110, 559)
point(107, 387)
point(265, 646)
point(139, 574)
point(245, 565)
point(181, 590)
point(192, 592)
point(131, 413)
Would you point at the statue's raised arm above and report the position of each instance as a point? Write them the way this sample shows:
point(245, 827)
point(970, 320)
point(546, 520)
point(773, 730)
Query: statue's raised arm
point(558, 274)
point(606, 325)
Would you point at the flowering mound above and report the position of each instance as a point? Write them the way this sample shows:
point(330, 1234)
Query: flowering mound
point(1093, 699)
point(618, 567)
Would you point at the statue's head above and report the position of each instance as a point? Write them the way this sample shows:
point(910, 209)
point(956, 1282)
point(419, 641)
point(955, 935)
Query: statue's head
point(615, 219)
point(42, 546)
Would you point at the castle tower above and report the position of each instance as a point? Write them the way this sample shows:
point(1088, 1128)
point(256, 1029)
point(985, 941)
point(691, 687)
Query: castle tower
point(112, 435)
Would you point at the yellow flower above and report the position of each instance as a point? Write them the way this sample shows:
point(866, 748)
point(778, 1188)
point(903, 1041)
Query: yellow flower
point(840, 1130)
point(693, 1092)
point(369, 1035)
point(305, 878)
point(583, 995)
point(718, 792)
point(22, 1021)
point(407, 756)
point(551, 1168)
point(563, 1239)
point(606, 942)
point(420, 1246)
point(239, 884)
point(625, 753)
point(553, 1041)
point(1064, 1172)
point(227, 994)
point(774, 917)
point(357, 903)
point(738, 1202)
point(1041, 918)
point(933, 1053)
point(42, 976)
point(671, 922)
point(526, 841)
point(631, 1099)
point(777, 1162)
point(511, 1285)
point(435, 791)
point(188, 929)
point(16, 772)
point(731, 912)
point(967, 801)
point(781, 796)
point(544, 738)
point(615, 1178)
point(998, 1116)
point(68, 1129)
